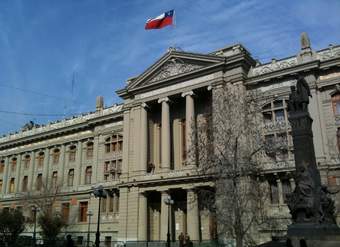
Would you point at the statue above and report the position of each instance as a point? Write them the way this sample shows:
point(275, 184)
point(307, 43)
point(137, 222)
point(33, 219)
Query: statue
point(299, 96)
point(305, 42)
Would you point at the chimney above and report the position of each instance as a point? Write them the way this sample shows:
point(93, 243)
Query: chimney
point(99, 103)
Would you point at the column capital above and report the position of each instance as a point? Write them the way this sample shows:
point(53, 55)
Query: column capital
point(144, 105)
point(188, 93)
point(165, 99)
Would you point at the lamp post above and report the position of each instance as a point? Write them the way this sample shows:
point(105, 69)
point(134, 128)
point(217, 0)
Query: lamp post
point(35, 209)
point(168, 201)
point(100, 193)
point(89, 214)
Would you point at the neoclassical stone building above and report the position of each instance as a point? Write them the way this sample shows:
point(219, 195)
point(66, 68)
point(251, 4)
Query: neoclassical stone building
point(139, 150)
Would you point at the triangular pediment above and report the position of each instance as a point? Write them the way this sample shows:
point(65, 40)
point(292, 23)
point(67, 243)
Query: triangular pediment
point(174, 64)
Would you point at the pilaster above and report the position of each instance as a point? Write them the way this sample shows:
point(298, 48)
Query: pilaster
point(79, 168)
point(18, 179)
point(126, 138)
point(5, 177)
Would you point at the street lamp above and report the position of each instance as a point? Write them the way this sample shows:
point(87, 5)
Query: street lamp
point(89, 214)
point(35, 209)
point(100, 193)
point(168, 201)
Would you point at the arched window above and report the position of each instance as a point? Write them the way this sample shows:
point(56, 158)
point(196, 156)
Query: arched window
point(56, 155)
point(89, 150)
point(27, 161)
point(70, 177)
point(40, 159)
point(88, 175)
point(72, 153)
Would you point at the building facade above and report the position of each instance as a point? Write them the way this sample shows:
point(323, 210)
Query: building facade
point(139, 150)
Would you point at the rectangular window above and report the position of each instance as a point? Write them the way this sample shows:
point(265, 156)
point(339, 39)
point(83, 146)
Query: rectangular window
point(72, 154)
point(25, 184)
point(274, 193)
point(65, 211)
point(286, 189)
point(70, 177)
point(110, 198)
point(107, 148)
point(12, 185)
point(1, 185)
point(14, 164)
point(39, 182)
point(88, 175)
point(89, 150)
point(83, 211)
point(279, 116)
point(54, 179)
point(2, 166)
point(27, 161)
point(107, 242)
point(103, 206)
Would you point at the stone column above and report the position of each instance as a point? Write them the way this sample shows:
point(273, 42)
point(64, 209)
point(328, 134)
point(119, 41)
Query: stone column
point(95, 163)
point(5, 177)
point(79, 167)
point(164, 216)
point(18, 179)
point(116, 203)
point(143, 139)
point(165, 133)
point(193, 215)
point(142, 217)
point(190, 127)
point(280, 191)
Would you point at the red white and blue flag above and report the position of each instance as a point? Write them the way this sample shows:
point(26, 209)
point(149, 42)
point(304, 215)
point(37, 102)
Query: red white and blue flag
point(160, 21)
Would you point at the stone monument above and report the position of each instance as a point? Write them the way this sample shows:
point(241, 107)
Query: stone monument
point(312, 210)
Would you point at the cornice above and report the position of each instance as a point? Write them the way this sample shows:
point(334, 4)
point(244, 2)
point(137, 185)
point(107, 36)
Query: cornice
point(89, 124)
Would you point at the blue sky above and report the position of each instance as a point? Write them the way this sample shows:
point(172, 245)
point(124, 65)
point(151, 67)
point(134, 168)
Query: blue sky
point(43, 43)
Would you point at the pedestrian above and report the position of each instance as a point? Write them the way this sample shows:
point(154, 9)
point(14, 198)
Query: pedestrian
point(181, 239)
point(69, 241)
point(188, 242)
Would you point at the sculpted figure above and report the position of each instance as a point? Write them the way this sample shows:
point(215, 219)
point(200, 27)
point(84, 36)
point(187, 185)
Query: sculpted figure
point(305, 42)
point(303, 94)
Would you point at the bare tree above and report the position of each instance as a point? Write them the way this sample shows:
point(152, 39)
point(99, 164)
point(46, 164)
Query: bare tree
point(49, 219)
point(230, 143)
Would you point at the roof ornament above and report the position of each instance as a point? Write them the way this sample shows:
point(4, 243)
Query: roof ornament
point(305, 41)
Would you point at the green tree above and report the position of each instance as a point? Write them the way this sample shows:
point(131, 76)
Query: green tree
point(12, 223)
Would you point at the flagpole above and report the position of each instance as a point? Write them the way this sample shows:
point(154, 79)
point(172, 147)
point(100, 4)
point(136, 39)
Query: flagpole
point(174, 29)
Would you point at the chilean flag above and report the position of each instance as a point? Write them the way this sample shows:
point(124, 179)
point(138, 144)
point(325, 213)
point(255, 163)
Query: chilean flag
point(160, 21)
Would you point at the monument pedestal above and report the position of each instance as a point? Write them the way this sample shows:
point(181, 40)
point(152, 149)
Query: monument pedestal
point(313, 235)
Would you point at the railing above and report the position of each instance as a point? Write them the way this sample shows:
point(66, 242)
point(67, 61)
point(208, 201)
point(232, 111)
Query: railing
point(28, 242)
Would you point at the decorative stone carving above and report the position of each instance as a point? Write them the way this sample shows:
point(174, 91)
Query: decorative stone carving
point(277, 65)
point(174, 67)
